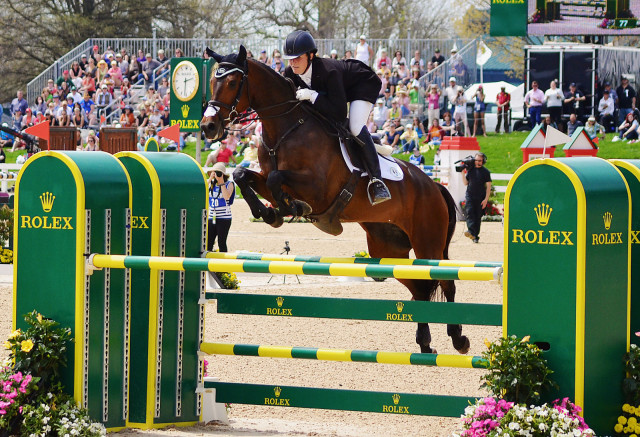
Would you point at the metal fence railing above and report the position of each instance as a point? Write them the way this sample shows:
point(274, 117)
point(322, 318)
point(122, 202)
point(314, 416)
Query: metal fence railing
point(195, 47)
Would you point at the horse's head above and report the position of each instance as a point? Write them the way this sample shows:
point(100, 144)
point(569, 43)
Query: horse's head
point(228, 92)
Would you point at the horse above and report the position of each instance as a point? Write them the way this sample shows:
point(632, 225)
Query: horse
point(303, 173)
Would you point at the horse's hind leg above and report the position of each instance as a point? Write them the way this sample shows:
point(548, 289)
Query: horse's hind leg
point(249, 182)
point(460, 342)
point(386, 240)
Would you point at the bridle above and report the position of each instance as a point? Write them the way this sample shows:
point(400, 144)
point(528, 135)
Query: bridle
point(226, 68)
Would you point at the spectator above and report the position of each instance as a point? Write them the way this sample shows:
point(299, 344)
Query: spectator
point(417, 61)
point(574, 100)
point(409, 139)
point(178, 53)
point(51, 86)
point(503, 100)
point(28, 119)
point(86, 103)
point(65, 106)
point(78, 119)
point(83, 61)
point(403, 101)
point(148, 68)
point(123, 65)
point(460, 111)
point(165, 120)
point(39, 117)
point(277, 64)
point(478, 182)
point(384, 68)
point(533, 100)
point(143, 120)
point(92, 143)
point(250, 156)
point(116, 74)
point(40, 105)
point(90, 68)
point(134, 71)
point(403, 73)
point(448, 126)
point(548, 121)
point(382, 58)
point(628, 130)
point(391, 137)
point(6, 139)
point(363, 51)
point(395, 113)
point(141, 57)
point(451, 92)
point(433, 102)
point(626, 101)
point(63, 118)
point(436, 133)
point(161, 58)
point(95, 55)
point(478, 112)
point(101, 71)
point(554, 99)
point(103, 99)
point(17, 120)
point(606, 107)
point(592, 128)
point(612, 92)
point(348, 55)
point(92, 118)
point(154, 117)
point(436, 157)
point(459, 69)
point(437, 57)
point(164, 87)
point(397, 57)
point(19, 103)
point(75, 71)
point(127, 119)
point(417, 158)
point(573, 124)
point(334, 54)
point(380, 113)
point(416, 98)
point(419, 128)
point(54, 104)
point(64, 78)
point(75, 95)
point(88, 85)
point(222, 154)
point(263, 56)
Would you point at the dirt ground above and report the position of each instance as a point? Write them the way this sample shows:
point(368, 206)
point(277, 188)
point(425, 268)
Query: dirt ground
point(305, 239)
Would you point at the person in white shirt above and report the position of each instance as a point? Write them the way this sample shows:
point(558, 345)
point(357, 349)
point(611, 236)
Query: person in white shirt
point(451, 92)
point(606, 107)
point(417, 61)
point(363, 51)
point(534, 99)
point(554, 98)
point(380, 113)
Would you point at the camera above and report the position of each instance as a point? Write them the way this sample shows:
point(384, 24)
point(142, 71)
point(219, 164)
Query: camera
point(465, 163)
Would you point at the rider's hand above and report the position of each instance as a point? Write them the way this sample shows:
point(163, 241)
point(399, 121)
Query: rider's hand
point(307, 94)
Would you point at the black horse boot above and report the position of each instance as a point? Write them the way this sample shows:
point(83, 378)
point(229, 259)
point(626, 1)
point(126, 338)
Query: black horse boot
point(376, 190)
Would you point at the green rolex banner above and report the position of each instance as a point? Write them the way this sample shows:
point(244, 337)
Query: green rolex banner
point(508, 18)
point(186, 93)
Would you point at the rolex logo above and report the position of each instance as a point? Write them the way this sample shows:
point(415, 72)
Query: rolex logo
point(543, 212)
point(396, 399)
point(607, 220)
point(279, 301)
point(185, 111)
point(277, 391)
point(47, 199)
point(399, 306)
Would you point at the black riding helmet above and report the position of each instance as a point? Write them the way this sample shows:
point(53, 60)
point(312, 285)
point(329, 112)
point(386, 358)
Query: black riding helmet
point(298, 43)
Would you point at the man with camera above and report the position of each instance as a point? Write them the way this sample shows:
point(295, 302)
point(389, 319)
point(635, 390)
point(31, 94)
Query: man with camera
point(478, 181)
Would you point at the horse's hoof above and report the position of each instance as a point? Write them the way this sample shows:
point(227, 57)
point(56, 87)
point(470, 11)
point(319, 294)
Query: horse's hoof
point(303, 208)
point(273, 218)
point(465, 345)
point(427, 350)
point(278, 221)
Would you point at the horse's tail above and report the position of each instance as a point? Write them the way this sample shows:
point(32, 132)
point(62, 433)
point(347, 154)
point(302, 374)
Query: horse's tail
point(451, 206)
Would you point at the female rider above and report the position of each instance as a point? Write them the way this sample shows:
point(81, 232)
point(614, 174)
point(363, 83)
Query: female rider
point(330, 84)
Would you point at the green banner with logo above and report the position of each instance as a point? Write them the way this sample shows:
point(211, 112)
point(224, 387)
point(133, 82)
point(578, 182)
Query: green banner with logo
point(508, 18)
point(186, 93)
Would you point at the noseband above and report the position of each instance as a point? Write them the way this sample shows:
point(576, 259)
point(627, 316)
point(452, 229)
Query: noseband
point(224, 69)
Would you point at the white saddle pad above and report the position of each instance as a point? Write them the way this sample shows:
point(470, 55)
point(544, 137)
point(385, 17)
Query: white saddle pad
point(389, 168)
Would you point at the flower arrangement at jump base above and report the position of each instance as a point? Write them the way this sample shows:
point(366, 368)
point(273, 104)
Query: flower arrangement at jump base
point(32, 401)
point(365, 254)
point(517, 376)
point(229, 280)
point(628, 423)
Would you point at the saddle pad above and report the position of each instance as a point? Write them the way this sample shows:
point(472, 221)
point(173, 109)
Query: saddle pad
point(389, 168)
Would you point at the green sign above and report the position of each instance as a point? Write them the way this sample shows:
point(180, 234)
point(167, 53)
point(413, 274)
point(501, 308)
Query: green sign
point(508, 18)
point(186, 93)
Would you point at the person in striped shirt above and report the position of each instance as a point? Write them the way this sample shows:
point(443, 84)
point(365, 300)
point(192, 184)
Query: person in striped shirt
point(222, 192)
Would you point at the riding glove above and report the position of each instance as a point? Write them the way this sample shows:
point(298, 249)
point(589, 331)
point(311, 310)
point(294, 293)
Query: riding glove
point(307, 94)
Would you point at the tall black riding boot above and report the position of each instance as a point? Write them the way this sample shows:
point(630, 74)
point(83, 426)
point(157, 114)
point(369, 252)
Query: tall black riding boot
point(376, 190)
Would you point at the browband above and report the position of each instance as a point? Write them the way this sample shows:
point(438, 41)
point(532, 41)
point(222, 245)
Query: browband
point(225, 68)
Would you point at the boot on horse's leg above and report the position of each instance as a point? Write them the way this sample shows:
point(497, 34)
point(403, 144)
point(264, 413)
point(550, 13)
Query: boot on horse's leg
point(376, 189)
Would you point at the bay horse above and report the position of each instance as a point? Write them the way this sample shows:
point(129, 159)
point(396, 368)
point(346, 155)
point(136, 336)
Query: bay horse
point(303, 171)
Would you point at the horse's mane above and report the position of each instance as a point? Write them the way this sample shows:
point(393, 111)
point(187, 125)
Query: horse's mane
point(281, 81)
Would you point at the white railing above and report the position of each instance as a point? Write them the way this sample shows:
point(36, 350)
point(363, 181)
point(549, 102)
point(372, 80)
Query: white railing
point(8, 173)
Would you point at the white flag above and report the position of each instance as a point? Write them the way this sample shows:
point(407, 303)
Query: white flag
point(484, 53)
point(554, 137)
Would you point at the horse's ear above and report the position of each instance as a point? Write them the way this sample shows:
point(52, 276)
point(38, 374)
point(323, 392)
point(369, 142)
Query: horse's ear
point(242, 56)
point(213, 54)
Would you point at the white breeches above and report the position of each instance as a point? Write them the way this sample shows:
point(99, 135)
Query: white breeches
point(358, 115)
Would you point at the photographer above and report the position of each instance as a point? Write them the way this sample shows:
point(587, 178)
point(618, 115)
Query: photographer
point(478, 181)
point(221, 195)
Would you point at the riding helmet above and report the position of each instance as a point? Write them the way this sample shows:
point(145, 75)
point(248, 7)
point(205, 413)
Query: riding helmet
point(298, 43)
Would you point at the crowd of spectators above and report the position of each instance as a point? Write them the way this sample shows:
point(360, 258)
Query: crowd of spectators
point(615, 110)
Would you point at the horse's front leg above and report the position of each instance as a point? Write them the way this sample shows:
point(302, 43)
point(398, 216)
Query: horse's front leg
point(287, 205)
point(251, 182)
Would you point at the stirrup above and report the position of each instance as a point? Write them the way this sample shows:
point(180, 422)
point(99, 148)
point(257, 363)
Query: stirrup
point(383, 197)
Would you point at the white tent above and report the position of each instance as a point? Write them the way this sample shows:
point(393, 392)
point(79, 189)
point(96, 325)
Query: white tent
point(491, 90)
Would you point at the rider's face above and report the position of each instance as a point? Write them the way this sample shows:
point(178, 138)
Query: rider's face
point(299, 64)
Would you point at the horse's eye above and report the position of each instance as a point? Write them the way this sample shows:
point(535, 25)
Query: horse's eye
point(233, 83)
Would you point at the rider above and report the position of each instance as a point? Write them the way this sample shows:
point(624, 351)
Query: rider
point(329, 84)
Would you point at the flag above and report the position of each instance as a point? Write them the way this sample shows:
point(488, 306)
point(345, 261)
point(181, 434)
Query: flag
point(171, 132)
point(554, 137)
point(484, 53)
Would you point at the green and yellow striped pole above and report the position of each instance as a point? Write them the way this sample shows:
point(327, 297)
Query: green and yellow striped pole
point(296, 268)
point(256, 256)
point(325, 354)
